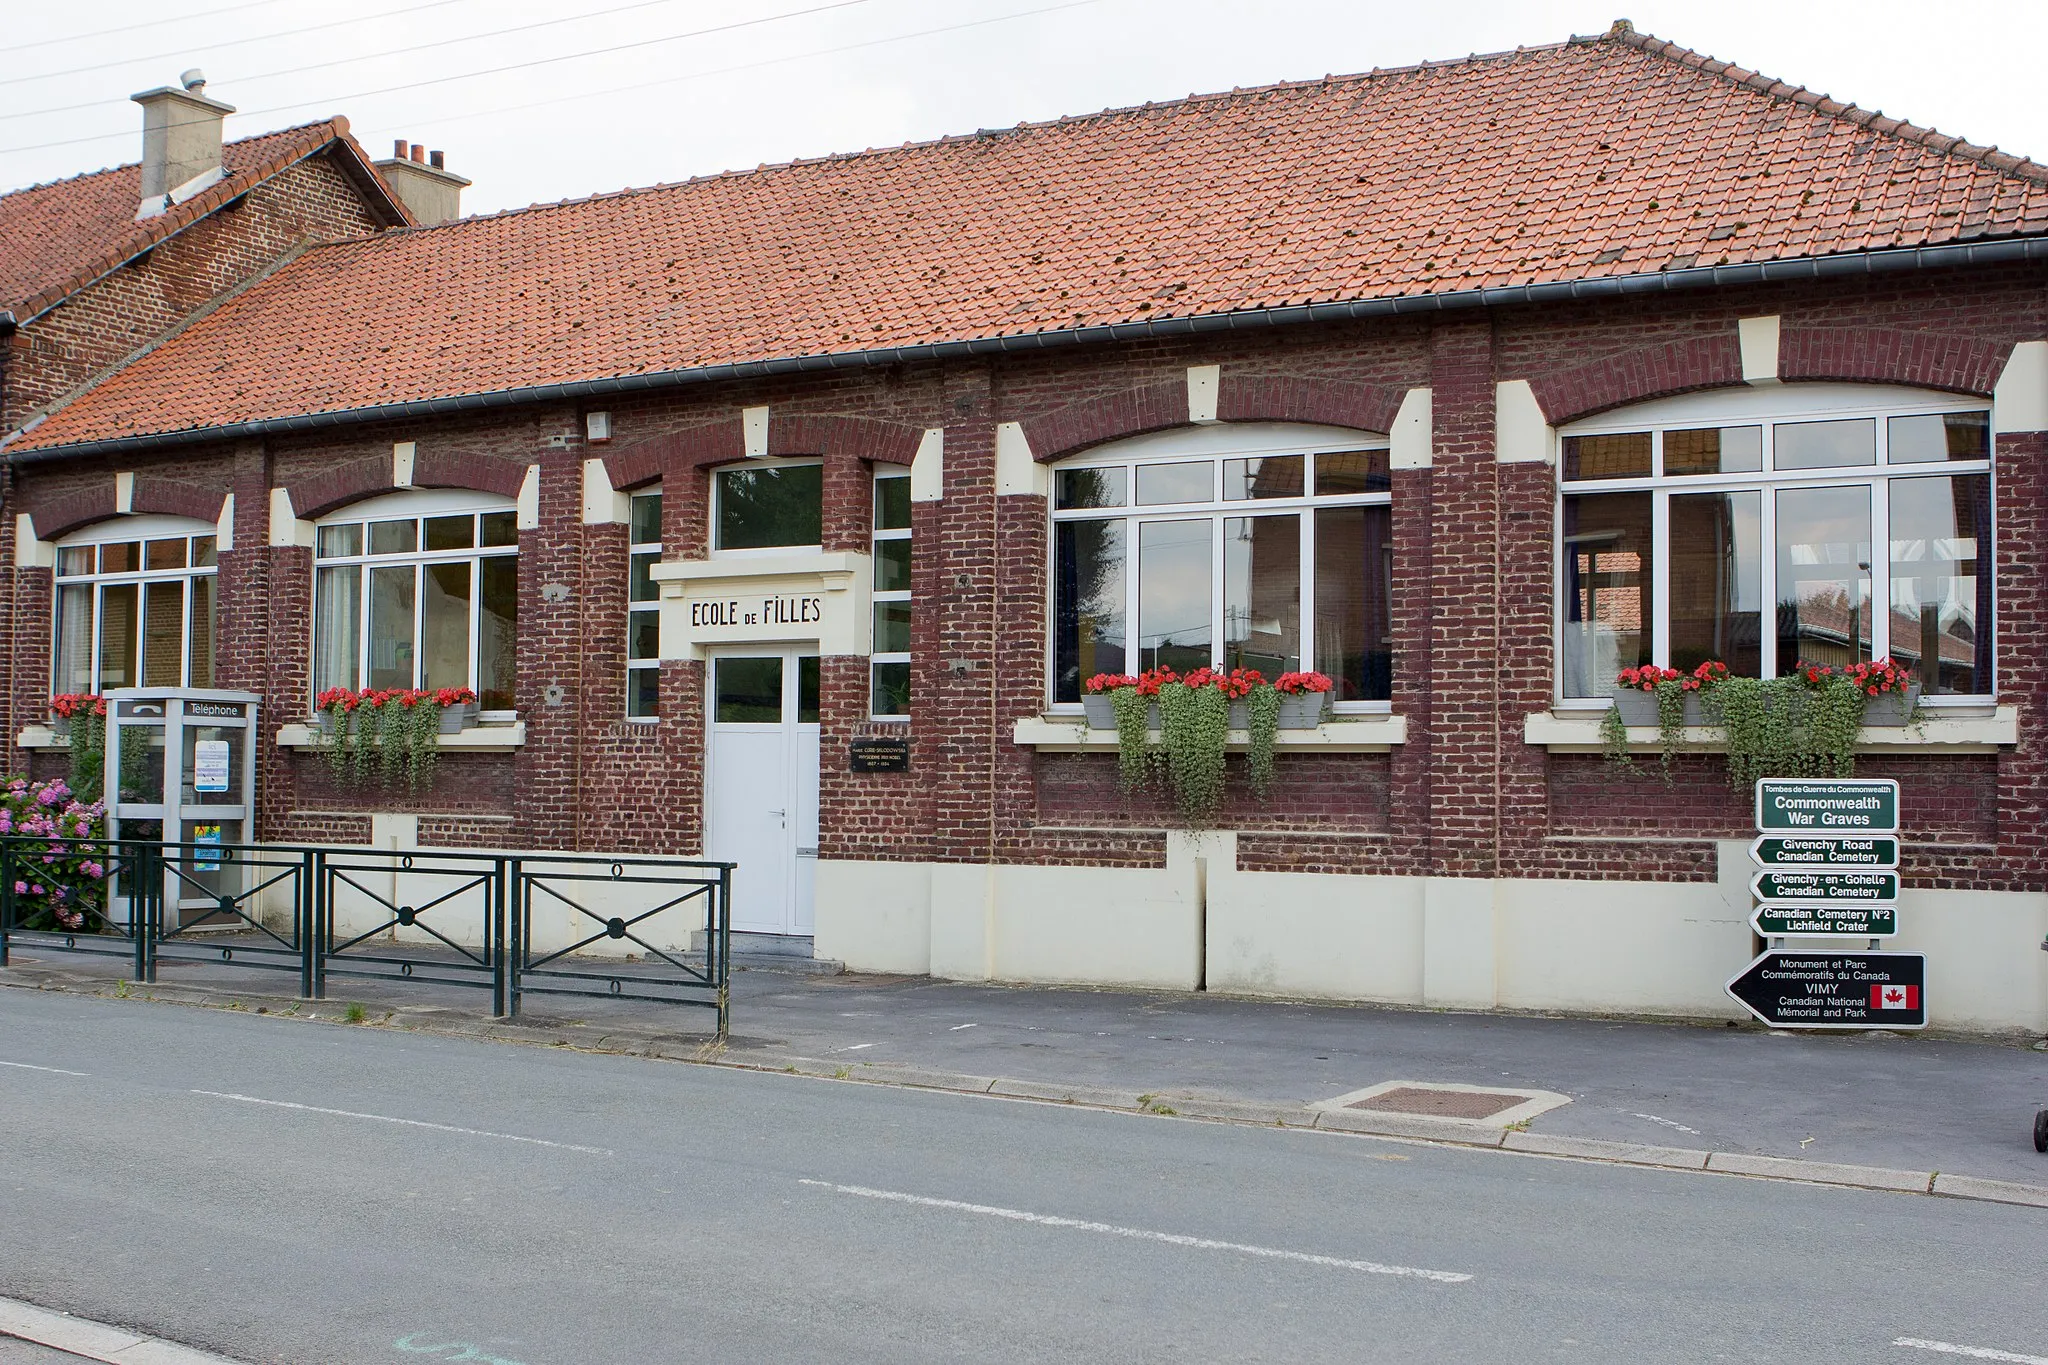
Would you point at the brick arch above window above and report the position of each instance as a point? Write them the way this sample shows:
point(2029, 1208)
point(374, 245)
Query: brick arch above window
point(372, 477)
point(1134, 411)
point(724, 442)
point(1632, 376)
point(100, 502)
point(1883, 355)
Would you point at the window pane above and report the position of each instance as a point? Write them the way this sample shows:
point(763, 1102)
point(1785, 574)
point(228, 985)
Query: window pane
point(1824, 445)
point(1625, 456)
point(73, 650)
point(163, 634)
point(892, 503)
point(498, 528)
point(646, 518)
point(1714, 450)
point(643, 692)
point(807, 690)
point(1262, 594)
point(1081, 488)
point(451, 533)
point(1271, 476)
point(643, 635)
point(1088, 631)
point(394, 537)
point(1174, 560)
point(122, 558)
point(1823, 576)
point(1176, 482)
point(1608, 573)
point(1717, 586)
point(1944, 436)
point(889, 694)
point(497, 664)
point(73, 560)
point(762, 508)
point(164, 554)
point(338, 541)
point(1941, 581)
point(117, 635)
point(892, 566)
point(203, 556)
point(391, 622)
point(892, 628)
point(747, 691)
point(1354, 625)
point(444, 621)
point(640, 584)
point(337, 614)
point(1352, 471)
point(201, 642)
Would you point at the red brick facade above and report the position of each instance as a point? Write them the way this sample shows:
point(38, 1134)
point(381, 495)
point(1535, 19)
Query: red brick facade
point(1474, 557)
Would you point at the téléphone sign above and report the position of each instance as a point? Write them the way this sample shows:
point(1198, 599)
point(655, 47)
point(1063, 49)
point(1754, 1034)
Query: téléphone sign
point(1851, 805)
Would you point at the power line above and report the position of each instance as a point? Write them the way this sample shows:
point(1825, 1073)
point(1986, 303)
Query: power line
point(472, 75)
point(147, 23)
point(439, 119)
point(214, 47)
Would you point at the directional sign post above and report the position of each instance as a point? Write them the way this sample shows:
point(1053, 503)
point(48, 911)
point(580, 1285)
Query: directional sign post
point(1833, 990)
point(1829, 887)
point(1825, 921)
point(1825, 850)
point(1850, 805)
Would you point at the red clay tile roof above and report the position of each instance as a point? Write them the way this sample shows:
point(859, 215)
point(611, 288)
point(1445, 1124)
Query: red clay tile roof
point(56, 238)
point(1618, 155)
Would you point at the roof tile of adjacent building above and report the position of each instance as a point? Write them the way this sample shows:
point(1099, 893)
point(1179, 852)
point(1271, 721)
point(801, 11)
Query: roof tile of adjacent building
point(1616, 155)
point(56, 238)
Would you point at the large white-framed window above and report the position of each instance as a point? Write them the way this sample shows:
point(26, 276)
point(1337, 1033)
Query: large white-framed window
point(889, 665)
point(767, 506)
point(1823, 523)
point(135, 604)
point(643, 607)
point(419, 589)
point(1266, 546)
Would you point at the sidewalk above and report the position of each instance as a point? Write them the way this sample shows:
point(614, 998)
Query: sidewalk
point(1910, 1104)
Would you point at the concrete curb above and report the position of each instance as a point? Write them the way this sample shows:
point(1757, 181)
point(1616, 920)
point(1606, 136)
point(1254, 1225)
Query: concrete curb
point(95, 1340)
point(1363, 1123)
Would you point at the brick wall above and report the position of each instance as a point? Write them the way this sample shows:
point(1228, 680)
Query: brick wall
point(1473, 553)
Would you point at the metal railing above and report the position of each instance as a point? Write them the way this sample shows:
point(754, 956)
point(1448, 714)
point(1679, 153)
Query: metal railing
point(515, 925)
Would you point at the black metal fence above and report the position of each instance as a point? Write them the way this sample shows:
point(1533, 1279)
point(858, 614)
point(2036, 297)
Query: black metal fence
point(511, 924)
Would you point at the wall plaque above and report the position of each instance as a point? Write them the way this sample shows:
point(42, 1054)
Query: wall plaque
point(878, 754)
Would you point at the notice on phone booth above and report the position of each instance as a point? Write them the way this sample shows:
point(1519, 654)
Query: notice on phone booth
point(210, 765)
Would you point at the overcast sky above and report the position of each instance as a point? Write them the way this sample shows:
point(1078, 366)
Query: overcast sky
point(791, 78)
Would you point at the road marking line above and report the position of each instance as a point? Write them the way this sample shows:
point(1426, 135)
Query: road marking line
point(1671, 1123)
point(410, 1123)
point(957, 1027)
point(1143, 1234)
point(1949, 1348)
point(53, 1070)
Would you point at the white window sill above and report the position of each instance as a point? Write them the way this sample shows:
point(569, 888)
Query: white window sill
point(42, 739)
point(1975, 732)
point(478, 739)
point(1367, 734)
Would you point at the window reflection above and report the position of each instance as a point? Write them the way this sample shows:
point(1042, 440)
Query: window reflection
point(1717, 581)
point(1608, 571)
point(1174, 560)
point(1941, 581)
point(1262, 594)
point(1088, 572)
point(1823, 576)
point(1354, 625)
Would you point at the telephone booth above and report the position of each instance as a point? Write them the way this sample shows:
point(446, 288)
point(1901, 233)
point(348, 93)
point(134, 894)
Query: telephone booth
point(181, 768)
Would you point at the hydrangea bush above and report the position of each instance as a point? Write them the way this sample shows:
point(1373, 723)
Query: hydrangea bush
point(59, 882)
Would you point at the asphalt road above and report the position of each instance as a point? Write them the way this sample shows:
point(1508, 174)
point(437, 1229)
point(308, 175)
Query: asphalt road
point(277, 1190)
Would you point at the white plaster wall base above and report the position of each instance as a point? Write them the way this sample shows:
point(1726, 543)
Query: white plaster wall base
point(875, 916)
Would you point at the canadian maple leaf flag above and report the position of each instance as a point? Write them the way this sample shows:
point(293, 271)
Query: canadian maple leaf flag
point(1895, 997)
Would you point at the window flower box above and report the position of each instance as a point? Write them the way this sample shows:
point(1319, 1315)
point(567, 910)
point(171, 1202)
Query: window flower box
point(1304, 700)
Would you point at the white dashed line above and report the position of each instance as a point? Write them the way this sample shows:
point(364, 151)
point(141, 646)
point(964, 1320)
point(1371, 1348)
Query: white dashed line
point(409, 1123)
point(1143, 1234)
point(1949, 1348)
point(53, 1070)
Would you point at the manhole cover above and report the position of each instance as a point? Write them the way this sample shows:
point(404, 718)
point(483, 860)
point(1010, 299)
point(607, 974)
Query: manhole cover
point(1442, 1104)
point(1487, 1105)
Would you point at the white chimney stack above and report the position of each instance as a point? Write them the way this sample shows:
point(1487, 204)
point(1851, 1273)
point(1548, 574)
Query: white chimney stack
point(432, 193)
point(181, 137)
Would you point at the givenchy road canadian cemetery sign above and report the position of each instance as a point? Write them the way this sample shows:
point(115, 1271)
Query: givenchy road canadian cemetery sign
point(1831, 850)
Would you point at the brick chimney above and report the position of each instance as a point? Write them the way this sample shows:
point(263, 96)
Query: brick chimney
point(181, 133)
point(430, 190)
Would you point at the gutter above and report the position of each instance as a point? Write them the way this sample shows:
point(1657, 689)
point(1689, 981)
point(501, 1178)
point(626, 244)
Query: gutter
point(1890, 260)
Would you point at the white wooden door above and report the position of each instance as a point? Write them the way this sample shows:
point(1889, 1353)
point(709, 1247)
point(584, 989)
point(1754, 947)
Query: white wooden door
point(761, 787)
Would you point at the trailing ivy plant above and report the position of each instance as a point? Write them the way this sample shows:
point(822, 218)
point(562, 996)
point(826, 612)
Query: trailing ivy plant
point(1262, 706)
point(1194, 728)
point(419, 723)
point(1834, 713)
point(1133, 708)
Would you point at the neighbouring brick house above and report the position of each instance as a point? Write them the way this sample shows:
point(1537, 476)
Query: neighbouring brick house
point(1464, 383)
